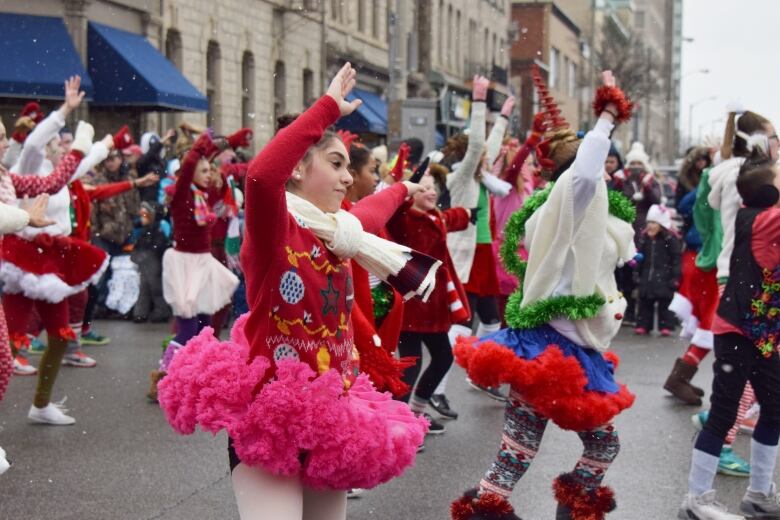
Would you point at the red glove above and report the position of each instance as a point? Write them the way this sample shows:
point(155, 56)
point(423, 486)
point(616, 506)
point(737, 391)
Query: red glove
point(397, 172)
point(205, 147)
point(240, 139)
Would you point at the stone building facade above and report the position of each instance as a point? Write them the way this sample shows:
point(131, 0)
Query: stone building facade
point(256, 59)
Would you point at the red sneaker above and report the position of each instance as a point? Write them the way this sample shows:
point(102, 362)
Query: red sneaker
point(665, 332)
point(640, 331)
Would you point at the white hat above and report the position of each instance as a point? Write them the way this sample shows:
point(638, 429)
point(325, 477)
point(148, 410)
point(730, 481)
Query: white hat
point(380, 153)
point(637, 153)
point(661, 215)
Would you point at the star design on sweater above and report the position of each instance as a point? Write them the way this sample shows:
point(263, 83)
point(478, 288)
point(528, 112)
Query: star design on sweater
point(331, 297)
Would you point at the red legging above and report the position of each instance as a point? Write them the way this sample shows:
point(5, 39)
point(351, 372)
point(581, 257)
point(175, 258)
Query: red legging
point(18, 309)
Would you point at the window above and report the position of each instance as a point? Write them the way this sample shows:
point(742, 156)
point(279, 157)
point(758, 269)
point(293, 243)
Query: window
point(564, 80)
point(361, 16)
point(458, 61)
point(450, 30)
point(173, 47)
point(213, 85)
point(555, 55)
point(335, 9)
point(494, 50)
point(280, 89)
point(572, 79)
point(308, 87)
point(440, 16)
point(248, 90)
point(375, 10)
point(486, 48)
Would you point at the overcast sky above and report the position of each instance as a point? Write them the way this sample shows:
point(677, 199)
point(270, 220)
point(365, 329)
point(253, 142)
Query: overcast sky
point(739, 42)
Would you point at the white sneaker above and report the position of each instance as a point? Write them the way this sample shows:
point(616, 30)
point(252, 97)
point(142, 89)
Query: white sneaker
point(78, 359)
point(758, 505)
point(51, 414)
point(704, 507)
point(22, 367)
point(4, 464)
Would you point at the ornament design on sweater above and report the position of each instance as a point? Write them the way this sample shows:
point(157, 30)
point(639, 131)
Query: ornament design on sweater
point(285, 351)
point(294, 256)
point(762, 323)
point(291, 287)
point(322, 331)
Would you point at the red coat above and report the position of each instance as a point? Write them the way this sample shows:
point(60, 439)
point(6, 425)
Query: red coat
point(427, 233)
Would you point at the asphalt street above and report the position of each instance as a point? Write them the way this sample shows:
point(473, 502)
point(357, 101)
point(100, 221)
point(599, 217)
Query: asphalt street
point(122, 461)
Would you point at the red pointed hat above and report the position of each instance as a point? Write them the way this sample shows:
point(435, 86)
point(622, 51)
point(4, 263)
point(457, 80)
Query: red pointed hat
point(33, 111)
point(551, 109)
point(123, 139)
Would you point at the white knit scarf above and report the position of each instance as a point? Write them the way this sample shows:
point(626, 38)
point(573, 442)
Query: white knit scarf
point(342, 233)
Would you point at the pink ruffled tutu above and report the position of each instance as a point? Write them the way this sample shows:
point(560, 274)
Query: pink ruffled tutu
point(295, 424)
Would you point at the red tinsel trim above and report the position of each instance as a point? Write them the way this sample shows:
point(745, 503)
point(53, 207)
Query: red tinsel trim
point(20, 340)
point(584, 504)
point(487, 504)
point(554, 384)
point(67, 333)
point(613, 358)
point(461, 509)
point(606, 95)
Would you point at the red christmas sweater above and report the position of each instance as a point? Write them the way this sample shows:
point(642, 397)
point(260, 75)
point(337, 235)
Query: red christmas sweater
point(188, 235)
point(300, 294)
point(427, 233)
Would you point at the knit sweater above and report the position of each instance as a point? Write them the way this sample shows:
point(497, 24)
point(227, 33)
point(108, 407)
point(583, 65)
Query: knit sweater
point(574, 245)
point(12, 218)
point(188, 235)
point(300, 293)
point(724, 197)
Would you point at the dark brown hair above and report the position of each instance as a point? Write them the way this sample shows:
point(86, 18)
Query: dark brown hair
point(359, 156)
point(455, 149)
point(689, 176)
point(749, 123)
point(756, 181)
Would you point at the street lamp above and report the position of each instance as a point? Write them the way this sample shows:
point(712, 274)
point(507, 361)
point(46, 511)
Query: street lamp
point(692, 72)
point(690, 115)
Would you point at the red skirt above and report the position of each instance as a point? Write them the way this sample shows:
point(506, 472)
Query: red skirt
point(696, 301)
point(483, 280)
point(50, 268)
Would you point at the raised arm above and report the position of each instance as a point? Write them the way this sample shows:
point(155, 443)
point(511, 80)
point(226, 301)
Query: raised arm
point(468, 167)
point(33, 185)
point(268, 173)
point(33, 154)
point(376, 210)
point(496, 137)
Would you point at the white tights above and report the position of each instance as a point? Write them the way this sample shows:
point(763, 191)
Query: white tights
point(262, 496)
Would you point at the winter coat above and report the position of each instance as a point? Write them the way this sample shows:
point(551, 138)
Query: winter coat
point(112, 219)
point(659, 272)
point(151, 162)
point(427, 233)
point(651, 194)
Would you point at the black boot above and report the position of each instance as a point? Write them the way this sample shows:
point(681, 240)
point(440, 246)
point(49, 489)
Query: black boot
point(562, 513)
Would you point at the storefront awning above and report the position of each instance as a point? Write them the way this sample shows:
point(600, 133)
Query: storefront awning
point(128, 71)
point(370, 117)
point(37, 55)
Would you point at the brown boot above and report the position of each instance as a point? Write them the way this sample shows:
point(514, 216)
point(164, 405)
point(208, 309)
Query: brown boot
point(678, 383)
point(154, 378)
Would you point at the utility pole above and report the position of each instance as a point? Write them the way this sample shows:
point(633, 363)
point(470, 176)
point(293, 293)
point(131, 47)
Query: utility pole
point(396, 92)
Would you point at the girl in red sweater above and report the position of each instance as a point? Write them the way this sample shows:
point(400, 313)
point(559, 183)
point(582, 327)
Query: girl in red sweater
point(195, 284)
point(304, 425)
point(420, 225)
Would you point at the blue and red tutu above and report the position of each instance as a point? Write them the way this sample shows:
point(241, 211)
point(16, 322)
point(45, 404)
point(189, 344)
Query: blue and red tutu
point(570, 384)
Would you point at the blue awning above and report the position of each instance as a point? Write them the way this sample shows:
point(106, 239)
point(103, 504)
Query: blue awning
point(370, 117)
point(128, 71)
point(37, 56)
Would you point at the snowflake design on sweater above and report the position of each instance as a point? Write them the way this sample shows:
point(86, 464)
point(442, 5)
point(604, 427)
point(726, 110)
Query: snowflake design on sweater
point(291, 287)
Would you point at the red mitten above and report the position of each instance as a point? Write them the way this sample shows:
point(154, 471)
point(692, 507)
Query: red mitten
point(397, 172)
point(539, 127)
point(123, 139)
point(612, 95)
point(240, 139)
point(33, 111)
point(205, 147)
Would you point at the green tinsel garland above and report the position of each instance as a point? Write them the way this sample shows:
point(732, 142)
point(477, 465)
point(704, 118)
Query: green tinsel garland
point(543, 311)
point(383, 300)
point(540, 312)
